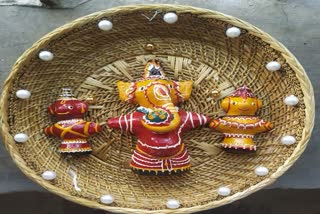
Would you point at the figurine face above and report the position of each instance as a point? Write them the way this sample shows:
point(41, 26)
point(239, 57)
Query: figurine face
point(154, 92)
point(240, 105)
point(64, 109)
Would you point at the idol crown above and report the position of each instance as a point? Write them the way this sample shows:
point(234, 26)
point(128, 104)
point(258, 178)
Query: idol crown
point(66, 93)
point(243, 92)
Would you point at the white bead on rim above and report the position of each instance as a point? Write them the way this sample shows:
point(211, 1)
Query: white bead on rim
point(173, 204)
point(49, 175)
point(224, 191)
point(233, 32)
point(261, 171)
point(170, 18)
point(46, 55)
point(291, 100)
point(21, 138)
point(23, 94)
point(288, 140)
point(105, 25)
point(273, 66)
point(106, 199)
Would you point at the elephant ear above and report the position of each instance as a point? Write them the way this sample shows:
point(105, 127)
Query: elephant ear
point(126, 91)
point(185, 89)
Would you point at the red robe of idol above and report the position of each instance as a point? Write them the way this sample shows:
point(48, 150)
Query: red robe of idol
point(158, 151)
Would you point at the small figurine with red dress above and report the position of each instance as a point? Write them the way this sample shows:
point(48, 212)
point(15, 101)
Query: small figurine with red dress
point(71, 127)
point(158, 123)
point(240, 123)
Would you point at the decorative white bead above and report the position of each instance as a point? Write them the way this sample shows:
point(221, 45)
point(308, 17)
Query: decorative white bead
point(261, 171)
point(106, 199)
point(21, 138)
point(23, 94)
point(170, 18)
point(233, 32)
point(288, 140)
point(49, 175)
point(173, 204)
point(46, 55)
point(224, 191)
point(291, 100)
point(273, 66)
point(105, 25)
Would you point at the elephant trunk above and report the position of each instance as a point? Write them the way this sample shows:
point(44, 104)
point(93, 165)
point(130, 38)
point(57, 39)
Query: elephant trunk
point(162, 107)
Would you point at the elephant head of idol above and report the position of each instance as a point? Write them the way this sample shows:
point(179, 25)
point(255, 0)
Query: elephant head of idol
point(157, 96)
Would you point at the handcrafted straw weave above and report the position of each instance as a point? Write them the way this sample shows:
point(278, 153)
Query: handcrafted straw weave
point(91, 61)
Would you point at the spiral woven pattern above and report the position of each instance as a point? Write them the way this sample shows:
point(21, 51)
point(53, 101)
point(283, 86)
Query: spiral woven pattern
point(91, 61)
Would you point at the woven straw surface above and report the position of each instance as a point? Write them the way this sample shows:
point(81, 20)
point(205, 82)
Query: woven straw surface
point(91, 61)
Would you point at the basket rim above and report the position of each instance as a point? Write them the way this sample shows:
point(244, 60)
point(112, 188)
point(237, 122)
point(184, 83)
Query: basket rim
point(306, 87)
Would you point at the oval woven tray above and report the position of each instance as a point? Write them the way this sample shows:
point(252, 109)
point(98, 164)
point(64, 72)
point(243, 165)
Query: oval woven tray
point(91, 61)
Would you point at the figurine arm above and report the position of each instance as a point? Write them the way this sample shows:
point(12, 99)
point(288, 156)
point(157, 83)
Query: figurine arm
point(193, 120)
point(48, 131)
point(265, 126)
point(93, 128)
point(215, 124)
point(128, 123)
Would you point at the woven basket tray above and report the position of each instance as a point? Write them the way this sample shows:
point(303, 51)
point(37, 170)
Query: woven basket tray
point(91, 61)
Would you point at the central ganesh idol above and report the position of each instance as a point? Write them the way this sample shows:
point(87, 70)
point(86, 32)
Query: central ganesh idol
point(157, 123)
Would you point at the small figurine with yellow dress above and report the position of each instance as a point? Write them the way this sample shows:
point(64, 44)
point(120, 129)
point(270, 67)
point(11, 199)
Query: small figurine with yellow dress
point(240, 123)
